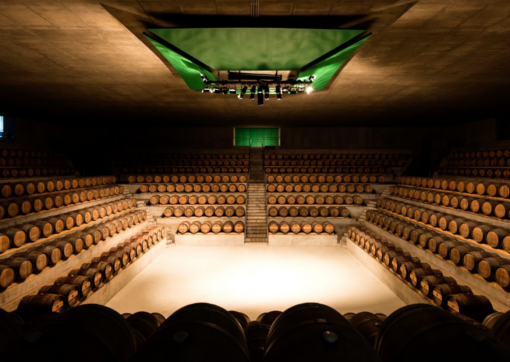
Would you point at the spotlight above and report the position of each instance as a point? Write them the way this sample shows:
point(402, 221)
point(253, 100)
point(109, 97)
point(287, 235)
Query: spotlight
point(301, 88)
point(260, 97)
point(286, 89)
point(204, 78)
point(266, 92)
point(224, 90)
point(293, 90)
point(278, 92)
point(312, 77)
point(243, 92)
point(206, 89)
point(232, 90)
point(309, 89)
point(253, 90)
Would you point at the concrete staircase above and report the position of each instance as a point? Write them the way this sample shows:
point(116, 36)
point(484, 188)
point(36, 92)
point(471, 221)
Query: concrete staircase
point(256, 213)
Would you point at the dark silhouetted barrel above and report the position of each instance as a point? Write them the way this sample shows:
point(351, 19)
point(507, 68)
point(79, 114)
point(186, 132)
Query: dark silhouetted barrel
point(242, 318)
point(442, 291)
point(441, 336)
point(368, 325)
point(315, 332)
point(197, 332)
point(474, 306)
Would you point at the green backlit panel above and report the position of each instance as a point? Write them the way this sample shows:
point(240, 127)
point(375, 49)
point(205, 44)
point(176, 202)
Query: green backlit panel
point(255, 49)
point(188, 70)
point(327, 68)
point(257, 137)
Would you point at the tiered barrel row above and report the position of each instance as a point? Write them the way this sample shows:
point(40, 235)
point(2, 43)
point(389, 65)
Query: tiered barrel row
point(16, 189)
point(495, 207)
point(210, 227)
point(309, 187)
point(178, 156)
point(185, 169)
point(441, 290)
point(70, 290)
point(200, 211)
point(307, 211)
point(301, 227)
point(187, 179)
point(336, 156)
point(325, 178)
point(34, 204)
point(335, 162)
point(345, 170)
point(206, 187)
point(32, 231)
point(474, 231)
point(492, 189)
point(20, 265)
point(200, 199)
point(314, 200)
point(22, 172)
point(491, 266)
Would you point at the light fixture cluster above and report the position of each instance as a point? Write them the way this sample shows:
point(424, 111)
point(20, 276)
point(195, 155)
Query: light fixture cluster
point(259, 89)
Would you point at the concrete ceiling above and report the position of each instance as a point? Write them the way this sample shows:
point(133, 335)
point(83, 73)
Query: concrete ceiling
point(428, 62)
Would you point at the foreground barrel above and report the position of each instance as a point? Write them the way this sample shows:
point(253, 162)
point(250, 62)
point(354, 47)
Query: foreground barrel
point(315, 332)
point(104, 332)
point(197, 332)
point(441, 336)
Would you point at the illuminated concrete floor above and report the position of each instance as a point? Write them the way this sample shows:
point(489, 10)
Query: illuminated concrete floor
point(254, 280)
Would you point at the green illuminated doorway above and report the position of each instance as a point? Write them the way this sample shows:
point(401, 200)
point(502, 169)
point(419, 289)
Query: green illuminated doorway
point(256, 137)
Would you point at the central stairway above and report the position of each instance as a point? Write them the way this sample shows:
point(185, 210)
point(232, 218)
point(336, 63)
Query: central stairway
point(256, 213)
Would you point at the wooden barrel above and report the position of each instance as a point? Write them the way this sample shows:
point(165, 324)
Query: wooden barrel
point(168, 212)
point(69, 293)
point(338, 338)
point(273, 227)
point(457, 253)
point(306, 227)
point(32, 306)
point(284, 227)
point(428, 283)
point(295, 227)
point(328, 227)
point(219, 211)
point(313, 212)
point(82, 283)
point(472, 258)
point(7, 276)
point(205, 227)
point(487, 267)
point(183, 227)
point(367, 324)
point(436, 327)
point(408, 266)
point(239, 227)
point(474, 306)
point(209, 325)
point(317, 227)
point(417, 274)
point(97, 276)
point(442, 291)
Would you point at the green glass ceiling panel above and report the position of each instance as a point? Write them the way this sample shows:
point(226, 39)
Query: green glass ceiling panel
point(326, 69)
point(255, 48)
point(257, 137)
point(188, 70)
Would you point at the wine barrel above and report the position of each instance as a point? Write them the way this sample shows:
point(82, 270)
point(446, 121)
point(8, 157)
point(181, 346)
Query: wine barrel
point(408, 266)
point(96, 275)
point(38, 259)
point(239, 227)
point(417, 274)
point(368, 325)
point(228, 226)
point(441, 292)
point(219, 211)
point(69, 293)
point(284, 227)
point(324, 335)
point(474, 306)
point(428, 283)
point(183, 227)
point(273, 227)
point(83, 284)
point(428, 342)
point(487, 267)
point(205, 227)
point(32, 306)
point(295, 227)
point(241, 318)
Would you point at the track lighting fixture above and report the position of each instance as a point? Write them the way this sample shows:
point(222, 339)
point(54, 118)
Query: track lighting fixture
point(243, 92)
point(215, 90)
point(260, 96)
point(309, 89)
point(266, 92)
point(206, 89)
point(232, 90)
point(224, 90)
point(301, 88)
point(204, 78)
point(293, 90)
point(285, 89)
point(253, 90)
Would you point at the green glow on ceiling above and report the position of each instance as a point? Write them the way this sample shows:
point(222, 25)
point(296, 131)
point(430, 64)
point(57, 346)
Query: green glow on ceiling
point(326, 69)
point(255, 48)
point(188, 70)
